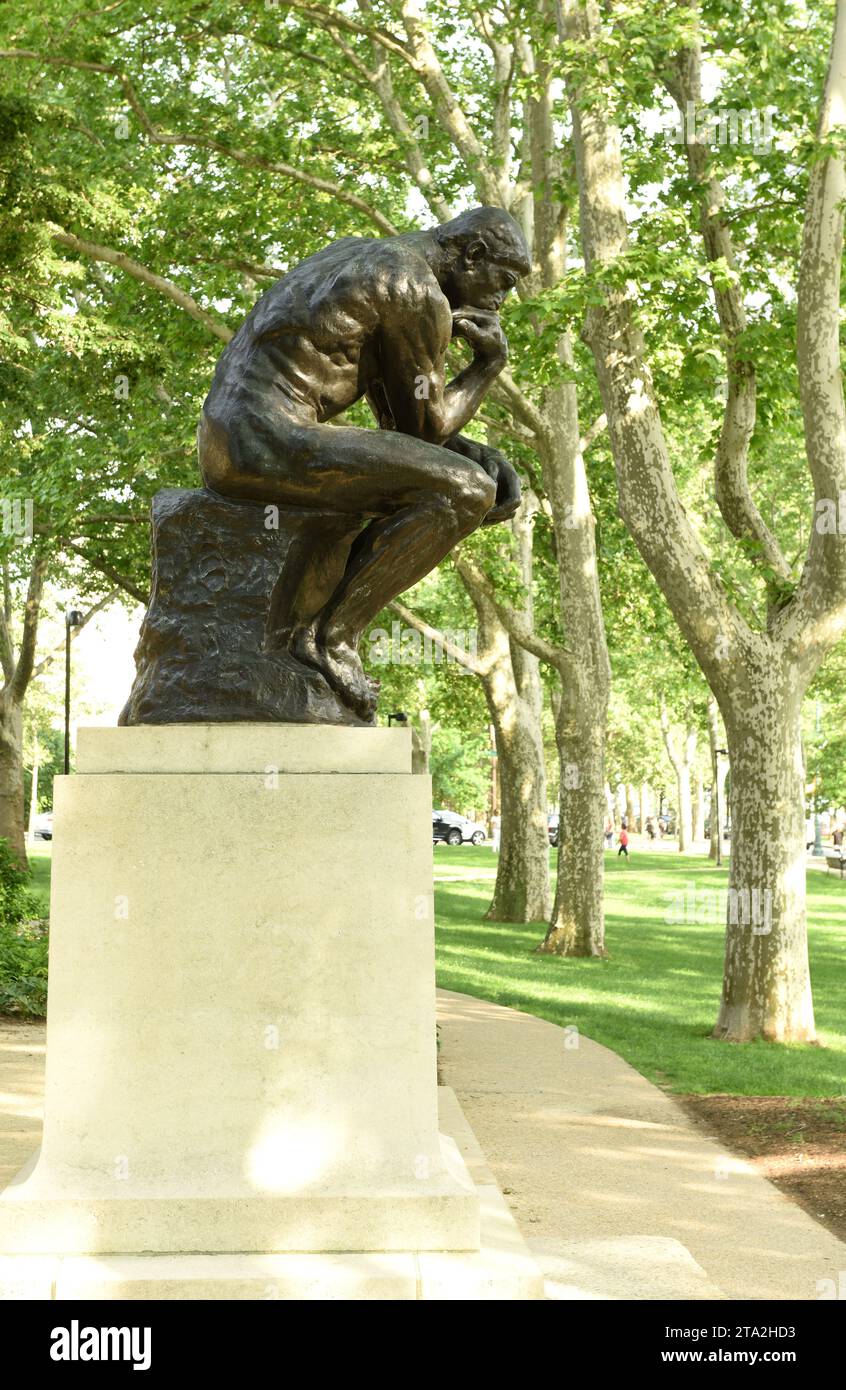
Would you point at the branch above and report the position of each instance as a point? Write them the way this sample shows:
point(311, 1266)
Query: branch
point(7, 650)
point(506, 392)
point(456, 653)
point(822, 589)
point(147, 277)
point(382, 83)
point(289, 171)
point(513, 621)
point(598, 427)
point(391, 42)
point(102, 567)
point(17, 686)
point(243, 157)
point(732, 490)
point(489, 186)
point(649, 500)
point(74, 632)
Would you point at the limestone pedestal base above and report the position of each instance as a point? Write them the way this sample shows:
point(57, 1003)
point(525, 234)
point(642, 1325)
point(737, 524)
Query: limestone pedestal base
point(240, 1035)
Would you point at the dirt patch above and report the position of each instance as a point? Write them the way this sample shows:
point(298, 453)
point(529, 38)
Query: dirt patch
point(799, 1145)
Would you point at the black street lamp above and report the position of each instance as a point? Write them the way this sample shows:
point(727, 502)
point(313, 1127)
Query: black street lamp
point(73, 618)
point(715, 806)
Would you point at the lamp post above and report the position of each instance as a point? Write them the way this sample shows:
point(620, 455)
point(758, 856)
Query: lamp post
point(715, 808)
point(73, 618)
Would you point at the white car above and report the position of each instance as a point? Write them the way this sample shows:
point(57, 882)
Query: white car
point(44, 826)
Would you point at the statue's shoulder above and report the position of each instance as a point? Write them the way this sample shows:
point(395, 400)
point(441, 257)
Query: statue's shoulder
point(399, 275)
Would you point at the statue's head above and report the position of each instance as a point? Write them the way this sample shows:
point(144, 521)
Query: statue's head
point(484, 255)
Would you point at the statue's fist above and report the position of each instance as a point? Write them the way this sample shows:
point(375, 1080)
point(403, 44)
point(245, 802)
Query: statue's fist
point(482, 329)
point(497, 466)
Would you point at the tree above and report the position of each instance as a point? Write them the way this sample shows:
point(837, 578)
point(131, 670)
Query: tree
point(758, 672)
point(175, 125)
point(18, 661)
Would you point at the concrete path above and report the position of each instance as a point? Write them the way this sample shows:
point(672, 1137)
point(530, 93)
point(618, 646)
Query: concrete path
point(616, 1192)
point(22, 1056)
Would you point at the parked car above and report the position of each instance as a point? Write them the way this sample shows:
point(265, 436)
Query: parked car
point(44, 826)
point(553, 829)
point(448, 827)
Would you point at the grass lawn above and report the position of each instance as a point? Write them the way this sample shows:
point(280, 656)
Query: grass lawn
point(655, 999)
point(41, 861)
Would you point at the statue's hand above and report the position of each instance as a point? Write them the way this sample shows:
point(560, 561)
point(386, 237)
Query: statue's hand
point(497, 466)
point(482, 329)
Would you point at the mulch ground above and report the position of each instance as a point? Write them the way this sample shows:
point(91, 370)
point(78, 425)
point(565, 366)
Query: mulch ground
point(799, 1145)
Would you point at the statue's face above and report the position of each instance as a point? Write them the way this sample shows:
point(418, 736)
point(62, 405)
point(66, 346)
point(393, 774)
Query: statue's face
point(479, 281)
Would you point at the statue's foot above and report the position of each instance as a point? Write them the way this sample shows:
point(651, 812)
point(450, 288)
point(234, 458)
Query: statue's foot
point(340, 665)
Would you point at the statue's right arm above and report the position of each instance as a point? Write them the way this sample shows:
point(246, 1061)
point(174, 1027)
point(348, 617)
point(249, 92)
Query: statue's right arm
point(413, 356)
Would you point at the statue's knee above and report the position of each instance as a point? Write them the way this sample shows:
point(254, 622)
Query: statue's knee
point(213, 454)
point(473, 498)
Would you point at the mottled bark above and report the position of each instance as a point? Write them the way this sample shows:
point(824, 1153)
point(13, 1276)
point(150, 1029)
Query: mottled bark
point(422, 731)
point(719, 773)
point(681, 750)
point(577, 925)
point(33, 793)
point(514, 697)
point(758, 672)
point(11, 777)
point(511, 681)
point(766, 986)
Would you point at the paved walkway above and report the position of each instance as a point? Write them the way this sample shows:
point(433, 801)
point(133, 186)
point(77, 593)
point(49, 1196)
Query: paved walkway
point(616, 1192)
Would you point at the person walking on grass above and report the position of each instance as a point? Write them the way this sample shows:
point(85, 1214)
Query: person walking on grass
point(623, 843)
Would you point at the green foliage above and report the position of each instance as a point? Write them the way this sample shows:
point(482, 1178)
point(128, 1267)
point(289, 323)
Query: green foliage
point(23, 941)
point(461, 771)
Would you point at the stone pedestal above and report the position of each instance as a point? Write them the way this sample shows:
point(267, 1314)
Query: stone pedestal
point(208, 649)
point(240, 1039)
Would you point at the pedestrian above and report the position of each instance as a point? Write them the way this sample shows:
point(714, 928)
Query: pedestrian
point(837, 837)
point(650, 828)
point(624, 843)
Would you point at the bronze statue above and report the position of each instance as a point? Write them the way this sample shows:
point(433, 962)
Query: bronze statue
point(366, 513)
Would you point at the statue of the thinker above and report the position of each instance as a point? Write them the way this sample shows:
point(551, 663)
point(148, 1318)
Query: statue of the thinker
point(365, 317)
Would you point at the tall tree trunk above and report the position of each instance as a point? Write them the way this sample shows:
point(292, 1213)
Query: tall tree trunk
point(513, 692)
point(645, 806)
point(33, 792)
point(681, 753)
point(766, 987)
point(758, 671)
point(698, 831)
point(514, 695)
point(422, 731)
point(631, 818)
point(521, 892)
point(577, 926)
point(11, 777)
